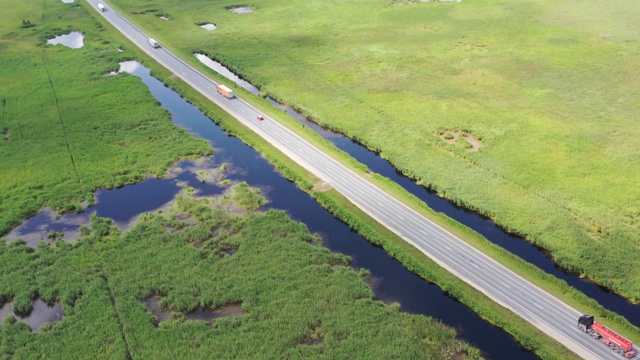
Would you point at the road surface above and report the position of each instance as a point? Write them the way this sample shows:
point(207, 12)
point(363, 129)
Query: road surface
point(502, 285)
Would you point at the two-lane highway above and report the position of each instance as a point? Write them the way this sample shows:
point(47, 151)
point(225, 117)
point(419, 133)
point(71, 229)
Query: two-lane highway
point(502, 285)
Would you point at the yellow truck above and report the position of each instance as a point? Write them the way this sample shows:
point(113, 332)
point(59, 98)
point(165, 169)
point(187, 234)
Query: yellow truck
point(225, 91)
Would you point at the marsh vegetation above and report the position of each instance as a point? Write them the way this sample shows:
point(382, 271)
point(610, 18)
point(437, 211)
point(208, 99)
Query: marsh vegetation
point(553, 108)
point(69, 130)
point(150, 293)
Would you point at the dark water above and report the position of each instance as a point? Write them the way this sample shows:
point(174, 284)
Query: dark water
point(394, 282)
point(510, 242)
point(121, 205)
point(41, 313)
point(209, 315)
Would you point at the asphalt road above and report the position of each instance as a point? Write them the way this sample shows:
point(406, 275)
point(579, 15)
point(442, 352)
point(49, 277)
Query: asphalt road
point(502, 285)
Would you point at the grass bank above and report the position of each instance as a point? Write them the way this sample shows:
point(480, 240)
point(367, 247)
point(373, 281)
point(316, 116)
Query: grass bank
point(296, 299)
point(66, 128)
point(534, 81)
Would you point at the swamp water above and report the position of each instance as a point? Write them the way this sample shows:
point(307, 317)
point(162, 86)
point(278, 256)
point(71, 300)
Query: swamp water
point(513, 243)
point(392, 281)
point(40, 314)
point(74, 40)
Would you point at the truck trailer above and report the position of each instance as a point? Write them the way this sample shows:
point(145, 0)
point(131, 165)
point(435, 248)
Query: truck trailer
point(609, 337)
point(225, 91)
point(102, 8)
point(154, 44)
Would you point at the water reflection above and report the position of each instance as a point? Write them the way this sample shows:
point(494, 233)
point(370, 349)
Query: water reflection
point(41, 313)
point(222, 70)
point(74, 40)
point(123, 205)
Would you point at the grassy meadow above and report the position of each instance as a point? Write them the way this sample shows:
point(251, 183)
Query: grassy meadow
point(67, 129)
point(298, 299)
point(549, 88)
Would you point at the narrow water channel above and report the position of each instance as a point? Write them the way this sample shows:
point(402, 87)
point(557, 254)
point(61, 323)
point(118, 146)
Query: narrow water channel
point(393, 281)
point(515, 244)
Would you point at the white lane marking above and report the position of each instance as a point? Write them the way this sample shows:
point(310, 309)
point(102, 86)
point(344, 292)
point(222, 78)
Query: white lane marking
point(536, 304)
point(507, 286)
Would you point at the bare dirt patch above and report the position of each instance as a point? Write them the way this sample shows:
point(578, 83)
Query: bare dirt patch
point(203, 314)
point(321, 186)
point(313, 336)
point(208, 315)
point(461, 138)
point(153, 306)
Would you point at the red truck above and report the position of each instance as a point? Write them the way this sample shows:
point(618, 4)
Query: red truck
point(617, 343)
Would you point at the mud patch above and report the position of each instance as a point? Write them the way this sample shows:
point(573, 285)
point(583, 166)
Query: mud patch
point(153, 306)
point(228, 310)
point(461, 138)
point(313, 337)
point(161, 314)
point(228, 250)
point(315, 340)
point(239, 9)
point(41, 314)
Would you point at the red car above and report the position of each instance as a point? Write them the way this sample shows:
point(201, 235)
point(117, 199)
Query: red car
point(260, 117)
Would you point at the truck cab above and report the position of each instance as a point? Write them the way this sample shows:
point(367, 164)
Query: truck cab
point(585, 322)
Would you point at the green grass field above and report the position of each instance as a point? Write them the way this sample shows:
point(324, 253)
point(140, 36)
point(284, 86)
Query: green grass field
point(291, 289)
point(549, 87)
point(68, 130)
